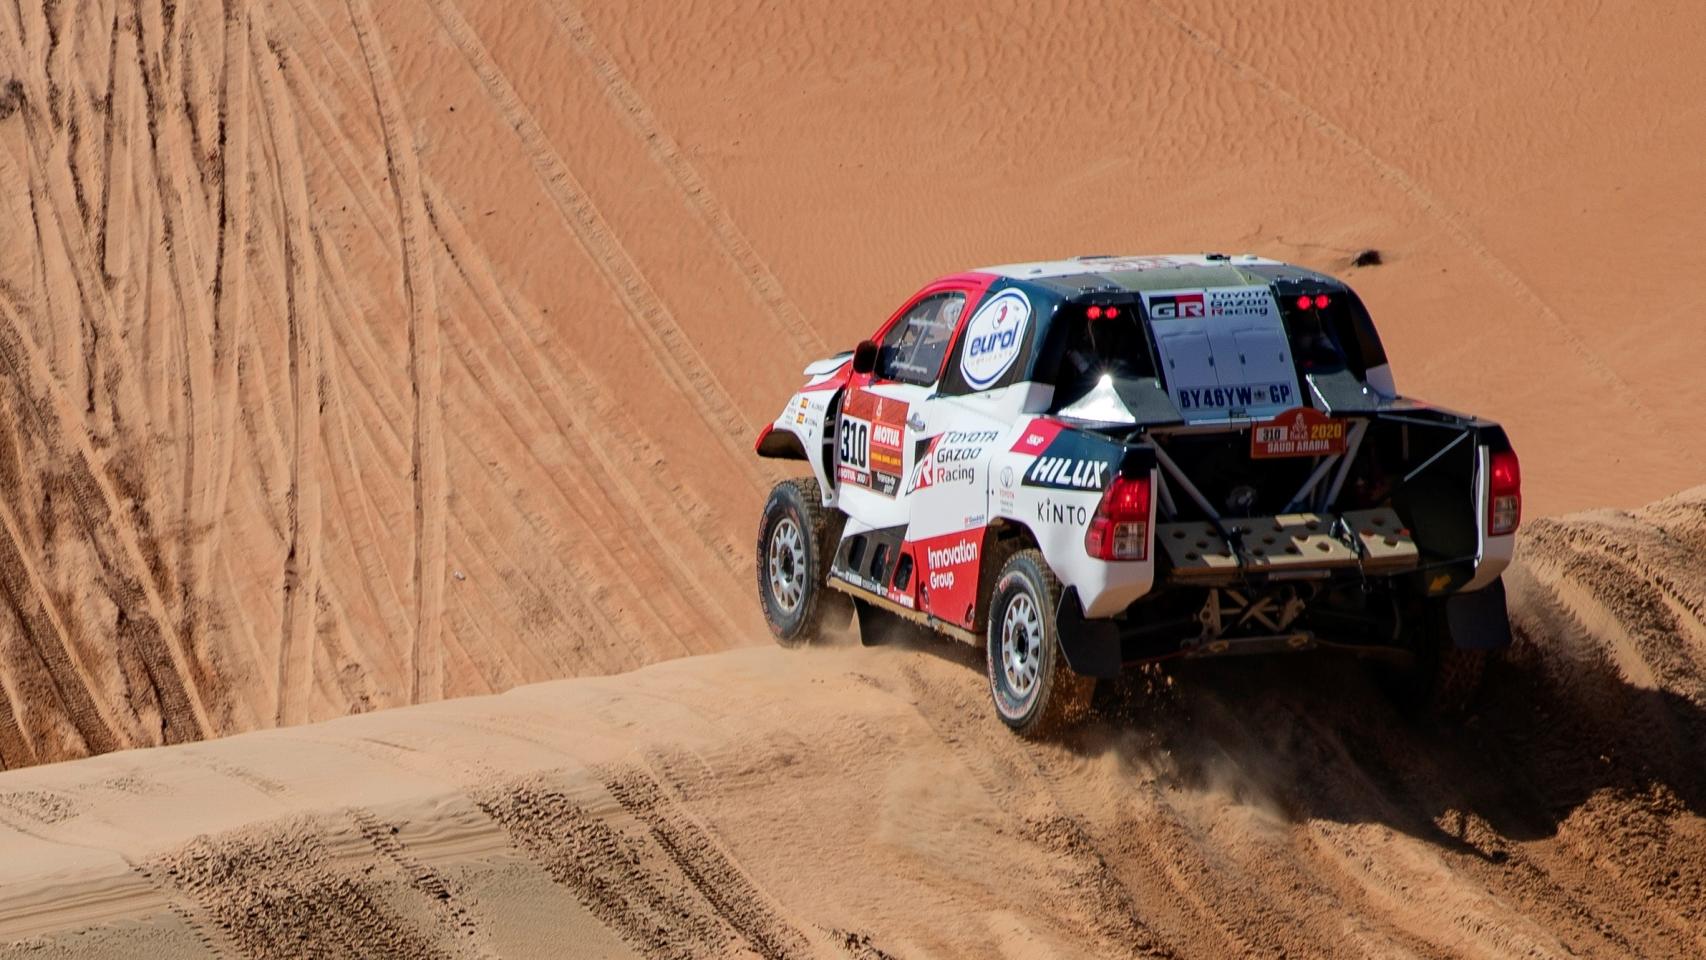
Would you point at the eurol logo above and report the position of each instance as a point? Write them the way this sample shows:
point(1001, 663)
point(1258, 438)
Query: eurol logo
point(1176, 306)
point(994, 338)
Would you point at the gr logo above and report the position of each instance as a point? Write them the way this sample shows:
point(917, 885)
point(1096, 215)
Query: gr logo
point(1176, 306)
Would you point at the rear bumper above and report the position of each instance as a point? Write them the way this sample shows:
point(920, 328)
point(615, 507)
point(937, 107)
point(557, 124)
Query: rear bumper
point(1104, 646)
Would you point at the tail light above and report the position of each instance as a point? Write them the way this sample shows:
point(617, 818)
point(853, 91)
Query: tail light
point(1120, 528)
point(1504, 494)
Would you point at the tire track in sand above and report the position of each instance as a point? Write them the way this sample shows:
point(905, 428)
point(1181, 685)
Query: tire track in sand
point(301, 570)
point(278, 891)
point(123, 573)
point(1105, 905)
point(204, 927)
point(569, 398)
point(426, 366)
point(705, 864)
point(603, 870)
point(674, 891)
point(440, 893)
point(670, 346)
point(108, 489)
point(1430, 204)
point(230, 277)
point(764, 285)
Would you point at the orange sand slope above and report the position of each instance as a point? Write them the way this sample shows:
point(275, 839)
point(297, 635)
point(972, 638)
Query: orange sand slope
point(355, 354)
point(866, 804)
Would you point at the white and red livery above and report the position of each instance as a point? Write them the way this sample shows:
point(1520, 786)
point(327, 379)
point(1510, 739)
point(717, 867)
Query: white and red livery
point(1094, 463)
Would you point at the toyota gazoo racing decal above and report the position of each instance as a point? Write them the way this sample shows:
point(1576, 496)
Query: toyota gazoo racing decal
point(1223, 351)
point(951, 459)
point(869, 451)
point(994, 338)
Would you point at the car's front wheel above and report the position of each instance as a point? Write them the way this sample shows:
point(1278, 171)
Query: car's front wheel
point(1034, 690)
point(797, 538)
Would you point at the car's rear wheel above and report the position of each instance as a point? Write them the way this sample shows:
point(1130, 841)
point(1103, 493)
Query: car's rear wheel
point(797, 537)
point(1035, 692)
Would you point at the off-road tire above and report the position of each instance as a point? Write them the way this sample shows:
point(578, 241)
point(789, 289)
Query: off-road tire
point(1042, 695)
point(803, 572)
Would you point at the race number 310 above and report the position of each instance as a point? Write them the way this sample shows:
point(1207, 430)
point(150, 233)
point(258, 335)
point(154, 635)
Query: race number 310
point(856, 443)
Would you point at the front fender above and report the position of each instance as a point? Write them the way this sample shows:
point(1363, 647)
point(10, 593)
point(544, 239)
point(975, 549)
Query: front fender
point(802, 432)
point(783, 444)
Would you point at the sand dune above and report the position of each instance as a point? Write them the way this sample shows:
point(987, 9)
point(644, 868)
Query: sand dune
point(848, 802)
point(363, 354)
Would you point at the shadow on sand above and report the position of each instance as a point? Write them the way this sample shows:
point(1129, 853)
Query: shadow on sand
point(1318, 736)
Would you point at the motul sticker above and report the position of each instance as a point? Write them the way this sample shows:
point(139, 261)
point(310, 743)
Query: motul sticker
point(1298, 432)
point(869, 444)
point(994, 338)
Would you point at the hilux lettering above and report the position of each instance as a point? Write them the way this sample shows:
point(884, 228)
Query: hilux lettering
point(1068, 472)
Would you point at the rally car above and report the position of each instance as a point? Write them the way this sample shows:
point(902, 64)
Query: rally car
point(1101, 462)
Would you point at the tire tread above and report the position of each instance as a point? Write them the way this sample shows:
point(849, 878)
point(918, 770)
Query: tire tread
point(1065, 696)
point(823, 533)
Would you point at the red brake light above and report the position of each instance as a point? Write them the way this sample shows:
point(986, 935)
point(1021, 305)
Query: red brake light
point(1321, 302)
point(1113, 312)
point(1305, 302)
point(1095, 313)
point(1120, 528)
point(1504, 493)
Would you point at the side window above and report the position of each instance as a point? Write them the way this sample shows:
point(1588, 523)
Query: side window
point(913, 349)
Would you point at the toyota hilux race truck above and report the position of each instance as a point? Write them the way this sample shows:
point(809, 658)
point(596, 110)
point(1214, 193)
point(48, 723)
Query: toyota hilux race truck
point(1103, 462)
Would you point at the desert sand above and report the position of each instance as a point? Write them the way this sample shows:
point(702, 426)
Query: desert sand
point(356, 355)
point(850, 802)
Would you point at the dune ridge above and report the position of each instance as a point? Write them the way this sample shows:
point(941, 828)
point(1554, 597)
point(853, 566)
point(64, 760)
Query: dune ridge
point(852, 802)
point(357, 355)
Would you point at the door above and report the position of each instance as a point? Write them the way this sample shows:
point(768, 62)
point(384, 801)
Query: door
point(876, 444)
point(874, 455)
point(958, 436)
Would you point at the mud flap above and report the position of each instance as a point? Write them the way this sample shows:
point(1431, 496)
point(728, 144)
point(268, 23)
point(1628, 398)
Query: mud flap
point(1091, 647)
point(1479, 621)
